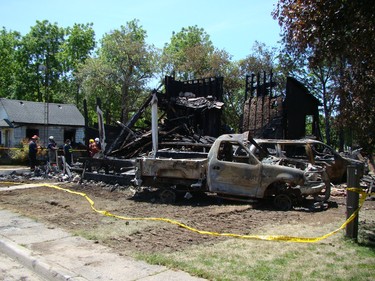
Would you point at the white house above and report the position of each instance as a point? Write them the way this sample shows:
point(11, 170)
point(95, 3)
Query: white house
point(20, 120)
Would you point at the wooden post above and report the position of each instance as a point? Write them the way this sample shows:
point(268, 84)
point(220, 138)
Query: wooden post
point(86, 116)
point(352, 201)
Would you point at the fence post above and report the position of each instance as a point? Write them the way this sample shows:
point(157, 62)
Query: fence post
point(352, 201)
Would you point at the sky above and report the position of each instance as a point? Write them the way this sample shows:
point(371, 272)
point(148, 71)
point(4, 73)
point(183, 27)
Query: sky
point(233, 25)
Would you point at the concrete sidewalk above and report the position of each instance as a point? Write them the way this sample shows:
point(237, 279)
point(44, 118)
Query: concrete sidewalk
point(57, 255)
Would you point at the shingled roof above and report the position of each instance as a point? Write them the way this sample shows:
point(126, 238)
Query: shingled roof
point(29, 112)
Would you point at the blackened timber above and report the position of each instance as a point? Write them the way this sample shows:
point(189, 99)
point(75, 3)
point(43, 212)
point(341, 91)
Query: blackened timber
point(109, 161)
point(124, 179)
point(109, 170)
point(136, 116)
point(192, 144)
point(181, 154)
point(206, 121)
point(126, 128)
point(129, 124)
point(142, 143)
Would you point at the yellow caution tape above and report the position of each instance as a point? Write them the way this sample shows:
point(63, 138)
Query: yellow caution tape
point(257, 237)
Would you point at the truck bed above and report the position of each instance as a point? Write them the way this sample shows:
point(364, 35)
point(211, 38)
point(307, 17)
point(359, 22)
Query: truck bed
point(160, 172)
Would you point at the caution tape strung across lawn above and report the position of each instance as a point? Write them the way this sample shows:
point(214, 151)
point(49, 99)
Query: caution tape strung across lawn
point(258, 237)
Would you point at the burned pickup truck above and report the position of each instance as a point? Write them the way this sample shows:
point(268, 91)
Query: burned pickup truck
point(230, 170)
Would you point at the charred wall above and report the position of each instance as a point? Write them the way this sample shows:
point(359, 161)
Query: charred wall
point(278, 117)
point(197, 101)
point(263, 116)
point(263, 110)
point(300, 103)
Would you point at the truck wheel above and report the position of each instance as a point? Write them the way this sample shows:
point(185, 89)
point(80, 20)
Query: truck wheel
point(167, 196)
point(283, 202)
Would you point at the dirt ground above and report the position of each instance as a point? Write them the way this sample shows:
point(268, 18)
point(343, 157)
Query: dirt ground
point(74, 214)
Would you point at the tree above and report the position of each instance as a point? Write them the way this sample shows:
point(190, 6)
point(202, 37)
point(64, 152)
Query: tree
point(9, 42)
point(77, 47)
point(120, 71)
point(95, 79)
point(188, 54)
point(262, 59)
point(318, 79)
point(45, 60)
point(191, 55)
point(39, 65)
point(337, 33)
point(221, 65)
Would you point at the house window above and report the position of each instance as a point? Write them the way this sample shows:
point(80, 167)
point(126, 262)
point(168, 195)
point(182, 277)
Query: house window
point(31, 132)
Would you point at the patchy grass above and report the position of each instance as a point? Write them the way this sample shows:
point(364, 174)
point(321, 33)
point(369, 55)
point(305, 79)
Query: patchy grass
point(340, 259)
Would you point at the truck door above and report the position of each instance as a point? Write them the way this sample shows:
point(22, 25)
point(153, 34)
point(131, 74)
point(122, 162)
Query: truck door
point(233, 170)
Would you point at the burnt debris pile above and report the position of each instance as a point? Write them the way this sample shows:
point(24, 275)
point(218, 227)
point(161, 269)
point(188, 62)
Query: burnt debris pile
point(189, 119)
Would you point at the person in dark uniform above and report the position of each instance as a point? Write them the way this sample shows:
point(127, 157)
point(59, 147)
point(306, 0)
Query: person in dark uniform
point(33, 149)
point(68, 152)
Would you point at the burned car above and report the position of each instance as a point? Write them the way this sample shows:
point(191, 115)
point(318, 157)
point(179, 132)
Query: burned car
point(307, 151)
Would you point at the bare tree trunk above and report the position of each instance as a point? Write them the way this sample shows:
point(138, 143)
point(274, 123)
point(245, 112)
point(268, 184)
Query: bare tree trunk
point(327, 122)
point(124, 103)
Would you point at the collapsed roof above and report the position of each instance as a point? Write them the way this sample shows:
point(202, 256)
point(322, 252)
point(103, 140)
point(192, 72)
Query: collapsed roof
point(191, 118)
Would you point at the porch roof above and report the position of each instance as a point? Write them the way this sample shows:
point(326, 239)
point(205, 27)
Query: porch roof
point(4, 123)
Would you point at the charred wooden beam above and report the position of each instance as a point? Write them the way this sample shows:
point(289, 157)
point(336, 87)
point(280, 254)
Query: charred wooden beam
point(189, 144)
point(130, 124)
point(124, 179)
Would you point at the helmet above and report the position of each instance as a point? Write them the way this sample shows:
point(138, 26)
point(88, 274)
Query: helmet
point(51, 138)
point(91, 141)
point(97, 139)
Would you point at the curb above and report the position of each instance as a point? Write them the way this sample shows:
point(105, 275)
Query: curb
point(7, 170)
point(35, 263)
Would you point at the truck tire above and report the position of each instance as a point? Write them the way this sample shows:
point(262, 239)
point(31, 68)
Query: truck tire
point(283, 202)
point(167, 196)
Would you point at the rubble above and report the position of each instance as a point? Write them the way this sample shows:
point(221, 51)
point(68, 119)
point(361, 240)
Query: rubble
point(191, 113)
point(190, 120)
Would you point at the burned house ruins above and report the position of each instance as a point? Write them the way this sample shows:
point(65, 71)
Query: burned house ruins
point(190, 120)
point(190, 116)
point(279, 116)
